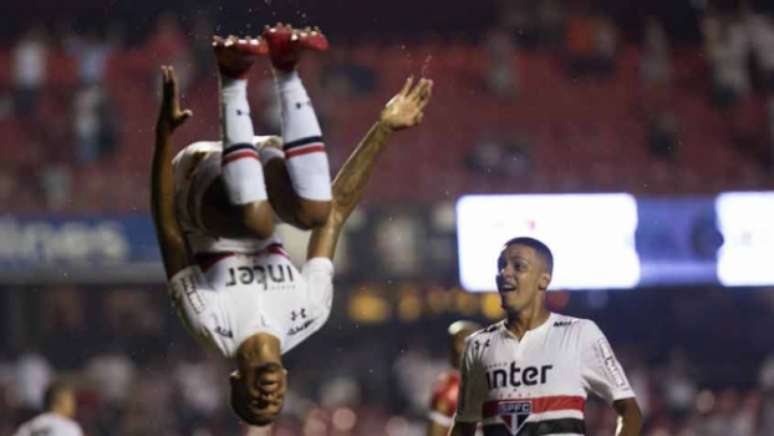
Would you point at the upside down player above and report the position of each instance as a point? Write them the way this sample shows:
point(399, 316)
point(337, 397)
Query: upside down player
point(529, 374)
point(239, 295)
point(446, 390)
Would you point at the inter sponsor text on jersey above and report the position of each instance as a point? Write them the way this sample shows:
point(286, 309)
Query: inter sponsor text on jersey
point(538, 385)
point(234, 295)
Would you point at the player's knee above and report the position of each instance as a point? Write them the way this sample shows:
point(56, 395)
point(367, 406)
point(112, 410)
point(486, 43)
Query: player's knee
point(312, 214)
point(258, 219)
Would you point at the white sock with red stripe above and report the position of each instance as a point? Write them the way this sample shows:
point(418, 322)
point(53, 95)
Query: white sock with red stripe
point(305, 154)
point(240, 164)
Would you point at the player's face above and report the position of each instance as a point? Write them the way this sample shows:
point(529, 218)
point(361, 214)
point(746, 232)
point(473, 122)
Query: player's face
point(522, 276)
point(261, 398)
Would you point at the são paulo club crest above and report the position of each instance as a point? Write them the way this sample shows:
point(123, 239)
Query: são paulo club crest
point(514, 414)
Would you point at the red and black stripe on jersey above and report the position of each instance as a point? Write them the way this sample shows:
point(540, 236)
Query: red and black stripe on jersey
point(299, 147)
point(239, 151)
point(534, 416)
point(540, 428)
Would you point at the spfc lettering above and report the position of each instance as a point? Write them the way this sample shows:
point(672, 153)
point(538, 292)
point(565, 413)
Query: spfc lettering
point(514, 415)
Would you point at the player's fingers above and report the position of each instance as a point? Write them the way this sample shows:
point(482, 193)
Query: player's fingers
point(407, 86)
point(418, 118)
point(420, 90)
point(425, 94)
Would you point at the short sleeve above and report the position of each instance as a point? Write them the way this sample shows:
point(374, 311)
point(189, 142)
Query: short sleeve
point(472, 389)
point(601, 372)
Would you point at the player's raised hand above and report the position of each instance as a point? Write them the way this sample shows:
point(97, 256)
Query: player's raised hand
point(406, 109)
point(170, 115)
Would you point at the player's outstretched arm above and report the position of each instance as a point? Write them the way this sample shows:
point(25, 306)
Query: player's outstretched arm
point(404, 110)
point(629, 417)
point(170, 237)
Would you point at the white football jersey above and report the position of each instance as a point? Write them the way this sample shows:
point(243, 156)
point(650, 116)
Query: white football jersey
point(49, 424)
point(233, 296)
point(537, 386)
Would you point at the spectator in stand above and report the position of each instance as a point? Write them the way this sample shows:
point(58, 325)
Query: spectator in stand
point(501, 79)
point(95, 124)
point(727, 45)
point(762, 39)
point(591, 44)
point(656, 61)
point(549, 20)
point(761, 28)
point(169, 45)
point(29, 66)
point(91, 53)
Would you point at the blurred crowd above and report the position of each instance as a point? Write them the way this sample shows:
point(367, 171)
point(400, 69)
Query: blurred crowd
point(77, 105)
point(136, 372)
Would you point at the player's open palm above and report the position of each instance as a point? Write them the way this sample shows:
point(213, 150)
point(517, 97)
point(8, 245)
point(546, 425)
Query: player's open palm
point(170, 115)
point(406, 108)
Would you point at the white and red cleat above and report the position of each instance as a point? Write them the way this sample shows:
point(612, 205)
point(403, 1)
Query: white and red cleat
point(286, 44)
point(236, 55)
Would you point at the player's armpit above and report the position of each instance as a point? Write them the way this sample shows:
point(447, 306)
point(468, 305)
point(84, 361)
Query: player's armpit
point(629, 417)
point(463, 429)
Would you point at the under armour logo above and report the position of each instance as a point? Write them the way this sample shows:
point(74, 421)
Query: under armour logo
point(295, 315)
point(477, 344)
point(241, 112)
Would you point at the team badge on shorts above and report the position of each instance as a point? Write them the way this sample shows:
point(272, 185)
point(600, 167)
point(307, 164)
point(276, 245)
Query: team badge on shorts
point(514, 414)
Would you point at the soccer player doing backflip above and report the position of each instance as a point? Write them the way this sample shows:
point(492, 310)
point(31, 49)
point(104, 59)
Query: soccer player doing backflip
point(214, 207)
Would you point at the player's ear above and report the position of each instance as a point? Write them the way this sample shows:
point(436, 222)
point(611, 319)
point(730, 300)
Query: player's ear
point(544, 281)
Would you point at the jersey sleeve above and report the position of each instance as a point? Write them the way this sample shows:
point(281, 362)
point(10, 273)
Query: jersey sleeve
point(601, 372)
point(472, 389)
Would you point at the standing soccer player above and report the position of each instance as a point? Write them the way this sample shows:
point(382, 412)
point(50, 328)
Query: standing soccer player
point(233, 285)
point(446, 390)
point(57, 420)
point(529, 374)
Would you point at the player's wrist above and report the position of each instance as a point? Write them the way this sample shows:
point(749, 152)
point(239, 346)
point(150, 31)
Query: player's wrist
point(384, 127)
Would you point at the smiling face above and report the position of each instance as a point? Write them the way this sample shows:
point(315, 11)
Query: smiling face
point(522, 275)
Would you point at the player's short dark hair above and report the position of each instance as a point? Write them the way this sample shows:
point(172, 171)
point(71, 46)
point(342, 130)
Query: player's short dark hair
point(53, 391)
point(540, 248)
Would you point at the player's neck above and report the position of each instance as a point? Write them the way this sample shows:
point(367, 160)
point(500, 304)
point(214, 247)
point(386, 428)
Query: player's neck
point(258, 349)
point(527, 319)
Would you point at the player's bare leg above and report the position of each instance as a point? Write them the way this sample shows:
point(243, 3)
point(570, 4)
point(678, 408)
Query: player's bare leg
point(237, 203)
point(402, 111)
point(299, 185)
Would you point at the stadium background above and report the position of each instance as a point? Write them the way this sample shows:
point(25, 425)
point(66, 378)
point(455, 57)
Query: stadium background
point(659, 98)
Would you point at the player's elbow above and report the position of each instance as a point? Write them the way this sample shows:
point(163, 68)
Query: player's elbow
point(630, 416)
point(312, 214)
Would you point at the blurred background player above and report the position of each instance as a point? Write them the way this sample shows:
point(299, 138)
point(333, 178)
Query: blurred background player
point(254, 305)
point(57, 419)
point(446, 390)
point(531, 372)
